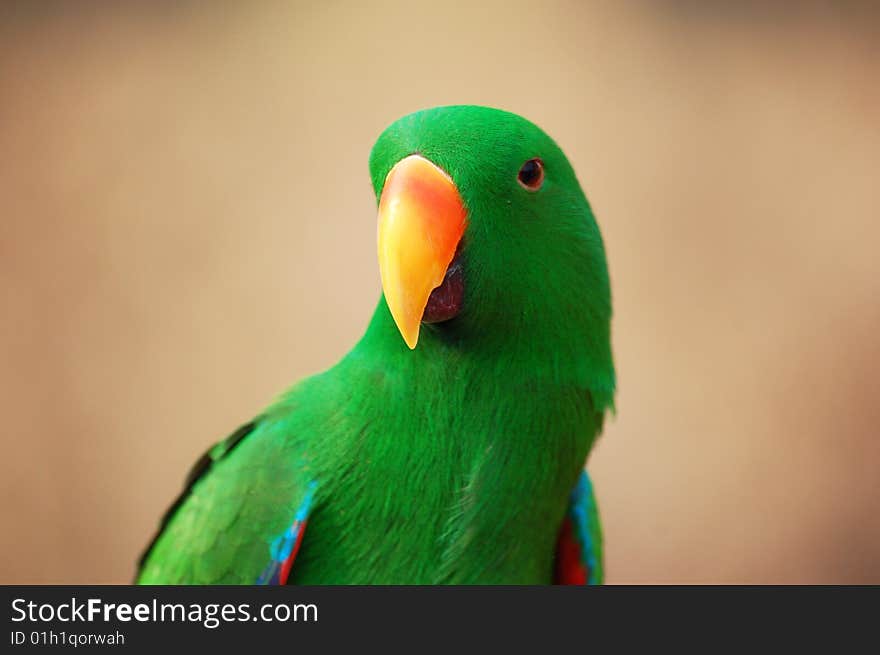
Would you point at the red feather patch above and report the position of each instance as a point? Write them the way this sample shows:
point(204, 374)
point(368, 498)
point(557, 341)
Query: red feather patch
point(285, 568)
point(570, 568)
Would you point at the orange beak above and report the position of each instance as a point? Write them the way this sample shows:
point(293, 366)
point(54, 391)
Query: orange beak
point(421, 220)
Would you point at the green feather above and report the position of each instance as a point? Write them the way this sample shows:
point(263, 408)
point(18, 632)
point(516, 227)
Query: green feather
point(453, 462)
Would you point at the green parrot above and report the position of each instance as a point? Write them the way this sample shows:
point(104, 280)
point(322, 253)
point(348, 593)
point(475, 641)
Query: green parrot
point(448, 446)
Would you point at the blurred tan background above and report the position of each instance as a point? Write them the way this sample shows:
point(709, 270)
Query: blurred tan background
point(187, 227)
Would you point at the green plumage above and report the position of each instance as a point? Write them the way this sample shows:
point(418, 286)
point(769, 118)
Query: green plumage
point(453, 462)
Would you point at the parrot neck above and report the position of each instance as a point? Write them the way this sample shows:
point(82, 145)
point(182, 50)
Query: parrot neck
point(563, 357)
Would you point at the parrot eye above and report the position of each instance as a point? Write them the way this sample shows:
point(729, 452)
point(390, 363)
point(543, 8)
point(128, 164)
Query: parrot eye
point(531, 175)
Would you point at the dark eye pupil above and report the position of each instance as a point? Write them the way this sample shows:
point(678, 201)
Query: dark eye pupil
point(531, 174)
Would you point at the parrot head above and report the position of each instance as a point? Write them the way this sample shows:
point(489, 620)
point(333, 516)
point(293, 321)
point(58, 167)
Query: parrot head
point(485, 235)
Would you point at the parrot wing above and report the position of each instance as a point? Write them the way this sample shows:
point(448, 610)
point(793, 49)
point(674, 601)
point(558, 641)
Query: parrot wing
point(579, 552)
point(240, 518)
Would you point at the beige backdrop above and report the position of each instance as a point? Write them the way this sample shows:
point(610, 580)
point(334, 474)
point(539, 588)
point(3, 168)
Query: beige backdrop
point(187, 227)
